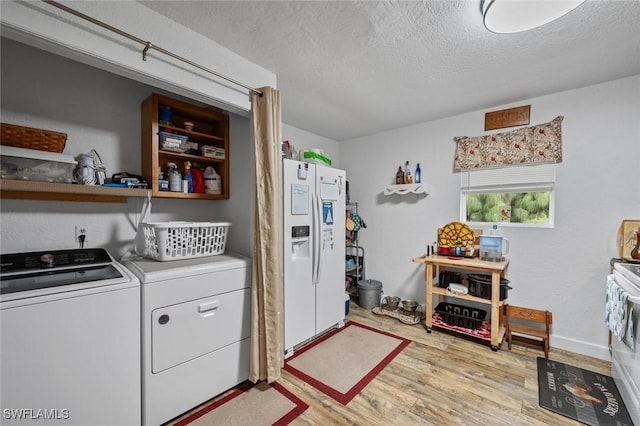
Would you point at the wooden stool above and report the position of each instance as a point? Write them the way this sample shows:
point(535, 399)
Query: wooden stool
point(529, 322)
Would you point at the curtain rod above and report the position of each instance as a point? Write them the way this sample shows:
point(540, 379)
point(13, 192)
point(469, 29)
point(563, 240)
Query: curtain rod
point(147, 44)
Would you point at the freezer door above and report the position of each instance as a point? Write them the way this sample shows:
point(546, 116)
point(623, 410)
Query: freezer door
point(299, 248)
point(330, 284)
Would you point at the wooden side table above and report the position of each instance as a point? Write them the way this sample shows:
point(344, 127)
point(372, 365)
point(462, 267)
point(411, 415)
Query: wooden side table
point(436, 263)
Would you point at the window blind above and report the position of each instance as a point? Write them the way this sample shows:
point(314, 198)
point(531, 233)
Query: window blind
point(540, 175)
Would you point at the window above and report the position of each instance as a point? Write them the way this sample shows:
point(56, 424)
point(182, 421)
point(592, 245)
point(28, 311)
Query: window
point(511, 196)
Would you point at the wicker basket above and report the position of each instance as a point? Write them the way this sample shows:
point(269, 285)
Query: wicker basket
point(31, 138)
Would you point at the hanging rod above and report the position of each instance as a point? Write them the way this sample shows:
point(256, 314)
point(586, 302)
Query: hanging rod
point(148, 45)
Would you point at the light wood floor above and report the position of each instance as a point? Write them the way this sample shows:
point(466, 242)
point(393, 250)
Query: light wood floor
point(442, 379)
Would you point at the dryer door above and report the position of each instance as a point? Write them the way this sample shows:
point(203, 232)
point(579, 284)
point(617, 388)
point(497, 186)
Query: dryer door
point(185, 331)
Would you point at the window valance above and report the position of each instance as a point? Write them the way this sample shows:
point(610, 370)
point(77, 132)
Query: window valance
point(541, 143)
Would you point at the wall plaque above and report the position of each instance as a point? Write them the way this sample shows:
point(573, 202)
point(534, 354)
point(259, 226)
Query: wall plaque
point(507, 118)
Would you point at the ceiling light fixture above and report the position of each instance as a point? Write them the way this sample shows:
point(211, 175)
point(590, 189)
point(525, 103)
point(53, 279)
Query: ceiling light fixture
point(513, 16)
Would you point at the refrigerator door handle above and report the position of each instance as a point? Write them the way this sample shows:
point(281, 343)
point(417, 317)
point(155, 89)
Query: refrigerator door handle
point(316, 239)
point(320, 238)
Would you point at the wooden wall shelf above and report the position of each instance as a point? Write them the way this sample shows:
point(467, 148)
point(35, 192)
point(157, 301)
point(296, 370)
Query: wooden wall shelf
point(29, 190)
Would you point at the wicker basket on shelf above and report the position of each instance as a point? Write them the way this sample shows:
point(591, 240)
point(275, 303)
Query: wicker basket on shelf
point(31, 138)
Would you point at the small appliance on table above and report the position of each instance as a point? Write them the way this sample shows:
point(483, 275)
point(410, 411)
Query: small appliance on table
point(70, 335)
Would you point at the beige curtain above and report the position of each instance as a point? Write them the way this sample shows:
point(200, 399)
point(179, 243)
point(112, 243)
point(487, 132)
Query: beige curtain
point(267, 352)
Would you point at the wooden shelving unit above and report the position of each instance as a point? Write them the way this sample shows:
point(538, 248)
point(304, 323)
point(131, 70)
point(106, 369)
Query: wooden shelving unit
point(29, 190)
point(211, 127)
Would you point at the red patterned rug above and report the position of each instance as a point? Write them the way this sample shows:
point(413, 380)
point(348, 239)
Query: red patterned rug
point(341, 363)
point(259, 404)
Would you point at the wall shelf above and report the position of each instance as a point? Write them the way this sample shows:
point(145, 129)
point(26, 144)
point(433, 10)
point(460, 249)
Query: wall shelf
point(211, 129)
point(29, 190)
point(408, 188)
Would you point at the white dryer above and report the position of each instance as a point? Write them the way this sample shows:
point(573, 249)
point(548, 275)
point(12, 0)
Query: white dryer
point(195, 331)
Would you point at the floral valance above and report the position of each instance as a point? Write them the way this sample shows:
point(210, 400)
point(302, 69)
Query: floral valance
point(535, 144)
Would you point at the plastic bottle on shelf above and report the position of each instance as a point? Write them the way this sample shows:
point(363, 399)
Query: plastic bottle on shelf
point(198, 180)
point(175, 179)
point(418, 174)
point(212, 181)
point(188, 176)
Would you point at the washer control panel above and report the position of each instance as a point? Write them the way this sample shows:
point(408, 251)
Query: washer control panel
point(22, 262)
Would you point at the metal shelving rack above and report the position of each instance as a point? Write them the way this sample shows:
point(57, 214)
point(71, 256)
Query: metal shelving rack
point(354, 251)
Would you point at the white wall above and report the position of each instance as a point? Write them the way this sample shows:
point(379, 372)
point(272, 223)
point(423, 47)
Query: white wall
point(561, 269)
point(101, 110)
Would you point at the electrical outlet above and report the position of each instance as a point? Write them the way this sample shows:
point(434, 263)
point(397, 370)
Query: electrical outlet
point(82, 230)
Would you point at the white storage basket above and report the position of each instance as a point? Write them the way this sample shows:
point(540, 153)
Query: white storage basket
point(181, 240)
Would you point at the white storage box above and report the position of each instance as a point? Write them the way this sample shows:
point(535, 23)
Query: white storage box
point(181, 240)
point(36, 165)
point(212, 152)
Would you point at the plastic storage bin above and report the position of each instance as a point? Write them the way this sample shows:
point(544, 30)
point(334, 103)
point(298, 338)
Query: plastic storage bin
point(165, 241)
point(173, 142)
point(36, 165)
point(461, 316)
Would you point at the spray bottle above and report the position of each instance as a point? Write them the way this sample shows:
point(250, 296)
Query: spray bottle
point(188, 176)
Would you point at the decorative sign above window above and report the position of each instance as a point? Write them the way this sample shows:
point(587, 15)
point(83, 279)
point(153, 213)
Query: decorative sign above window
point(507, 118)
point(541, 143)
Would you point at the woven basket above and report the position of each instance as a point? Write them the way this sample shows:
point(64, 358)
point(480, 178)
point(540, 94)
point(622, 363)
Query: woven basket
point(30, 138)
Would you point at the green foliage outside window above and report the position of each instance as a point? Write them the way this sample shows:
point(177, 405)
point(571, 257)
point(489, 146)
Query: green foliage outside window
point(514, 207)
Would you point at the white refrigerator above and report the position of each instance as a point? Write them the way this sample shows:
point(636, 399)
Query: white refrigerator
point(314, 250)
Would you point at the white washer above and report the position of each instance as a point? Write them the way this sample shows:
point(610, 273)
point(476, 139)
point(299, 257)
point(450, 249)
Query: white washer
point(195, 331)
point(70, 336)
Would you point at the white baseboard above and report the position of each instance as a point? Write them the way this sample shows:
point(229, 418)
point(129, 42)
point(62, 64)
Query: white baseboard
point(583, 348)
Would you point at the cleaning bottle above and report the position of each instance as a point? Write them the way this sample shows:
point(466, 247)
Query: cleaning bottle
point(188, 176)
point(418, 176)
point(212, 181)
point(198, 180)
point(175, 179)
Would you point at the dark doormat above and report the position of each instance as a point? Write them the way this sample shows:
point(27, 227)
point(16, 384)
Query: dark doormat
point(582, 395)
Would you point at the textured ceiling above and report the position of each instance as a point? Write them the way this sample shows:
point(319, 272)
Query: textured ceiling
point(353, 68)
